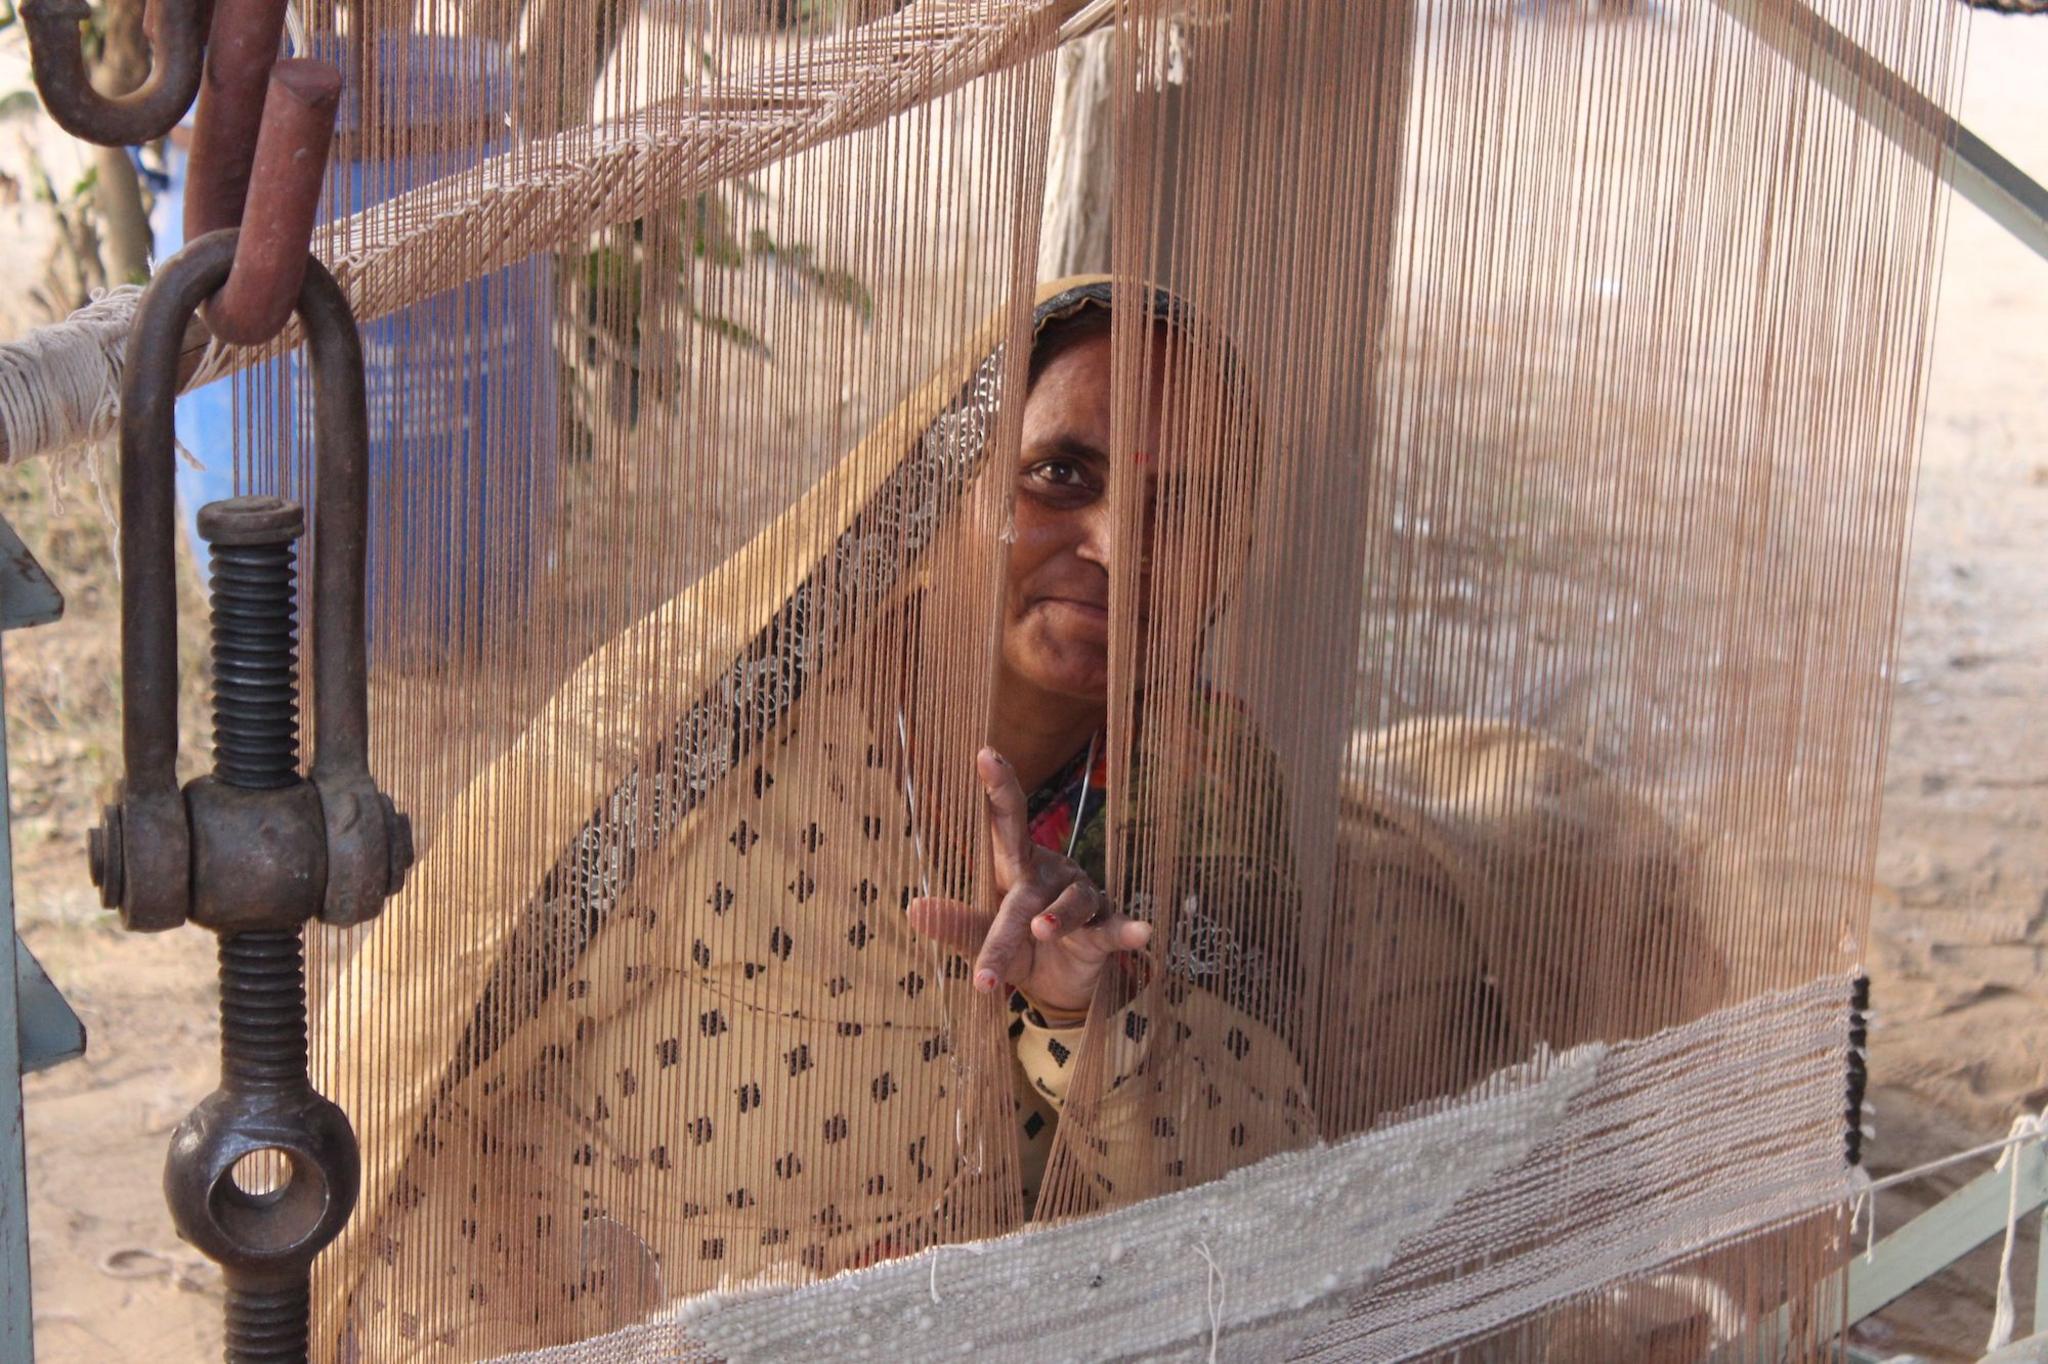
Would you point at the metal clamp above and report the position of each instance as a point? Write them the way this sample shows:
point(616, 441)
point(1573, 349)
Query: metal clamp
point(164, 856)
point(253, 850)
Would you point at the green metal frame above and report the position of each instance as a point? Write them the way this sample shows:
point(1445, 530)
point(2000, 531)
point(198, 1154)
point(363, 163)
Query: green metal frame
point(1953, 1228)
point(37, 1028)
point(1890, 103)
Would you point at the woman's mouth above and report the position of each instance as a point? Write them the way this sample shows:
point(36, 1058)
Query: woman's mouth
point(1085, 610)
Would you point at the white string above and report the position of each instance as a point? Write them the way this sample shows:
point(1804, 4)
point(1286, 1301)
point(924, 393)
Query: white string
point(1081, 804)
point(1989, 1148)
point(2025, 1128)
point(924, 875)
point(1213, 1292)
point(945, 1246)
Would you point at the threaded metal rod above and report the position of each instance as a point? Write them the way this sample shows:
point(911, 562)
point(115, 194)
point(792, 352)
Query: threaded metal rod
point(255, 665)
point(254, 594)
point(270, 1326)
point(262, 1010)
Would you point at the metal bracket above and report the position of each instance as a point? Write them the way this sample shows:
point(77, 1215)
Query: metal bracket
point(49, 1028)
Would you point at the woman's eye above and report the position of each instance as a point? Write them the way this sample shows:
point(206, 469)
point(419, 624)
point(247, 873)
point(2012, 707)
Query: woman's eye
point(1062, 475)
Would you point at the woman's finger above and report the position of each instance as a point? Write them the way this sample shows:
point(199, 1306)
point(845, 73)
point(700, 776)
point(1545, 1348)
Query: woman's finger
point(1104, 938)
point(1009, 819)
point(1076, 906)
point(959, 926)
point(1005, 957)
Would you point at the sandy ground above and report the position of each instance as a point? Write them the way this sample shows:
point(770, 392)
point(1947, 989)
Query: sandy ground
point(1960, 935)
point(1961, 946)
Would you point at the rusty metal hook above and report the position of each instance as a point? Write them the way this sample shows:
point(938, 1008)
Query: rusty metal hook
point(241, 47)
point(144, 857)
point(57, 57)
point(276, 200)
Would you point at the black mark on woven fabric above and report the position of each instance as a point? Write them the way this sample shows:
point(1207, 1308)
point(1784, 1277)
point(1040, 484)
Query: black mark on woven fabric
point(798, 1058)
point(669, 1051)
point(700, 1129)
point(1058, 1050)
point(1858, 1070)
point(884, 1085)
point(712, 1023)
point(780, 944)
point(836, 1128)
point(749, 1096)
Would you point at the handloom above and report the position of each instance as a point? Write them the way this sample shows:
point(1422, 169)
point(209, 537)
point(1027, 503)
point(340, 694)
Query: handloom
point(1496, 702)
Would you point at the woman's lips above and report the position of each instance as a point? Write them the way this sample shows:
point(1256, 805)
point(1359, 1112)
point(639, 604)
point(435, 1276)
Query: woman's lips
point(1087, 610)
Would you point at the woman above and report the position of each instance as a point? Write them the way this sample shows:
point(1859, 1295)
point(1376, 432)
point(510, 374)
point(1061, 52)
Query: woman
point(764, 1018)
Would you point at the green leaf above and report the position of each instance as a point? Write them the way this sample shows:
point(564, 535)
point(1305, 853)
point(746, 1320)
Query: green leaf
point(711, 236)
point(729, 330)
point(840, 286)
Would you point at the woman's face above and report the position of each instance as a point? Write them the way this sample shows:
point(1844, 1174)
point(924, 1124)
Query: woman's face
point(1056, 606)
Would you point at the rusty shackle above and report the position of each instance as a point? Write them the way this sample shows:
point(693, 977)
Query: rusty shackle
point(330, 845)
point(152, 109)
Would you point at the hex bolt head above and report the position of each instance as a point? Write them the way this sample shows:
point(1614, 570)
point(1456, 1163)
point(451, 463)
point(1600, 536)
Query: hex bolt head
point(251, 521)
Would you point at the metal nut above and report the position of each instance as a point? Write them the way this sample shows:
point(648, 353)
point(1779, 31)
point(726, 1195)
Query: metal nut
point(103, 852)
point(398, 843)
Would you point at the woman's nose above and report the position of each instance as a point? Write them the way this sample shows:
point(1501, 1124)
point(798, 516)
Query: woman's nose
point(1097, 534)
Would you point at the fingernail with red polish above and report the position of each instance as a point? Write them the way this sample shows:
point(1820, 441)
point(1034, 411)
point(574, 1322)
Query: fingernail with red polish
point(984, 980)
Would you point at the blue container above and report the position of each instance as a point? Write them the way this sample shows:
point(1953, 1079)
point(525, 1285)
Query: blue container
point(454, 554)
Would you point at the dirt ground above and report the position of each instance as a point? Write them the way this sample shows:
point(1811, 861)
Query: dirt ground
point(1960, 955)
point(1960, 934)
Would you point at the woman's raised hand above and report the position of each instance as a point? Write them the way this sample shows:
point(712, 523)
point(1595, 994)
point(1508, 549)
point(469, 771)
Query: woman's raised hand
point(1053, 929)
